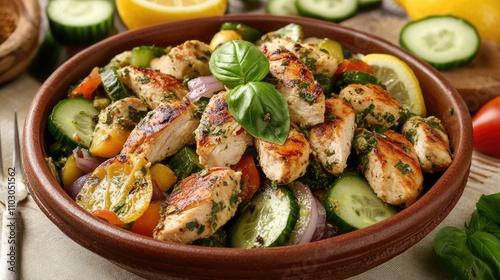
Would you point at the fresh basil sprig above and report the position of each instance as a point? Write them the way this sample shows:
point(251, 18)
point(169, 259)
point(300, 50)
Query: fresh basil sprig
point(257, 106)
point(261, 110)
point(237, 62)
point(473, 252)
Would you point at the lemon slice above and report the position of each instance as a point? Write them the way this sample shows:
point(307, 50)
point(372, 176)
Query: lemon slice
point(122, 185)
point(399, 79)
point(140, 13)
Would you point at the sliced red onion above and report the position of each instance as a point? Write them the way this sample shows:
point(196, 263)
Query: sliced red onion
point(85, 161)
point(204, 86)
point(308, 215)
point(78, 185)
point(321, 223)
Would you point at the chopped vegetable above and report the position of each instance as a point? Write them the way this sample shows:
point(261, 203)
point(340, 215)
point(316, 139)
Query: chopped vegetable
point(246, 32)
point(72, 121)
point(268, 221)
point(147, 222)
point(250, 177)
point(87, 86)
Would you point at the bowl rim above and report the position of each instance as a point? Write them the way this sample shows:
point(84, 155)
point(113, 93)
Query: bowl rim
point(101, 232)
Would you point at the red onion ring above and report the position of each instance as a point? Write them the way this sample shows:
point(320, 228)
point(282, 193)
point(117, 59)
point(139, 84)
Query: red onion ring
point(85, 161)
point(204, 86)
point(306, 224)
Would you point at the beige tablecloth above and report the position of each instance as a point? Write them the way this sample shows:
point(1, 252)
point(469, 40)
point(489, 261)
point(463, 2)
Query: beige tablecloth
point(46, 253)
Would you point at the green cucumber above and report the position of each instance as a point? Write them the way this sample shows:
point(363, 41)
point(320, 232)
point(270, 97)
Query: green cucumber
point(185, 162)
point(72, 122)
point(351, 204)
point(445, 42)
point(76, 22)
point(268, 221)
point(141, 56)
point(365, 5)
point(112, 85)
point(281, 7)
point(333, 48)
point(247, 33)
point(293, 31)
point(331, 10)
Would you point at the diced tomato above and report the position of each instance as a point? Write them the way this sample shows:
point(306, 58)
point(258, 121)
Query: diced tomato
point(109, 217)
point(249, 176)
point(87, 86)
point(147, 222)
point(353, 64)
point(486, 128)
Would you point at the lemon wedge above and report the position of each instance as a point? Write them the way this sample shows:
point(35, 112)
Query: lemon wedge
point(484, 14)
point(141, 13)
point(399, 79)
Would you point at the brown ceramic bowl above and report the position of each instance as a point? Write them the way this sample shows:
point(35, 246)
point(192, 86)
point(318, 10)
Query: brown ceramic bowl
point(19, 29)
point(343, 256)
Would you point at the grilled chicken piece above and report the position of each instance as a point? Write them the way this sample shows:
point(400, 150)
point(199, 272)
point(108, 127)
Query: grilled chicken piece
point(287, 162)
point(318, 61)
point(220, 139)
point(115, 124)
point(429, 137)
point(331, 140)
point(199, 206)
point(374, 106)
point(163, 131)
point(152, 87)
point(390, 164)
point(305, 98)
point(187, 59)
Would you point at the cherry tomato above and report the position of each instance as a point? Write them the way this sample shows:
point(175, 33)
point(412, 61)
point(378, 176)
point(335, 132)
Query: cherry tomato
point(108, 216)
point(249, 176)
point(147, 222)
point(486, 128)
point(352, 64)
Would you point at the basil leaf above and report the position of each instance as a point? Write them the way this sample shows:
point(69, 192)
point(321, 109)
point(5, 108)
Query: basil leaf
point(237, 62)
point(487, 206)
point(485, 246)
point(453, 253)
point(261, 110)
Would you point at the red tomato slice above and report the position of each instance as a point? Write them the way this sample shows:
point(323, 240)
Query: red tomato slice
point(109, 217)
point(352, 64)
point(87, 86)
point(249, 176)
point(486, 128)
point(147, 222)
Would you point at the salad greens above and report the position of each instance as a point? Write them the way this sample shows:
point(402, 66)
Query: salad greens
point(237, 62)
point(473, 252)
point(261, 110)
point(257, 106)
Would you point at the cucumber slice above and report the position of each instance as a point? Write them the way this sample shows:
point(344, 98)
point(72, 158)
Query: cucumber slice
point(331, 10)
point(72, 122)
point(76, 22)
point(112, 85)
point(365, 5)
point(268, 221)
point(351, 204)
point(281, 7)
point(445, 42)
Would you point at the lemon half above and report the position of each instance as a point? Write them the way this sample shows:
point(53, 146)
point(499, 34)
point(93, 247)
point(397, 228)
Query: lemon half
point(141, 13)
point(399, 79)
